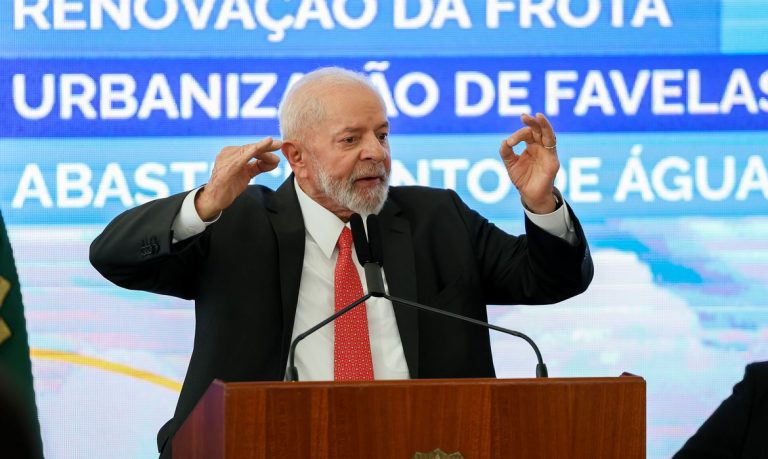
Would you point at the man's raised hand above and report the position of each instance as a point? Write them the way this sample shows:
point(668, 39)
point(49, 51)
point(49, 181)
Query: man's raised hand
point(533, 171)
point(233, 169)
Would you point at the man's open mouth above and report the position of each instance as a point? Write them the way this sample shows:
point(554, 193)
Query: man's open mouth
point(371, 180)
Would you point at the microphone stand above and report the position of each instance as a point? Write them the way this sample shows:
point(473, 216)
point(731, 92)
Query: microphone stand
point(541, 368)
point(370, 255)
point(292, 373)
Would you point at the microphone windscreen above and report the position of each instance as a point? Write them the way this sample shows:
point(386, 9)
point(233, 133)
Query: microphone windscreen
point(359, 238)
point(375, 240)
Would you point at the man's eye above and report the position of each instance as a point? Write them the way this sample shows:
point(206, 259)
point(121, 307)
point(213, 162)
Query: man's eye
point(383, 136)
point(348, 139)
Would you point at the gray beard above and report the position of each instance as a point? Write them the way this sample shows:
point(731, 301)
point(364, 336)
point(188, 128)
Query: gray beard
point(343, 193)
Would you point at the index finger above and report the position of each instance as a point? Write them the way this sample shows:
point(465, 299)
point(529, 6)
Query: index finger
point(255, 150)
point(548, 138)
point(524, 134)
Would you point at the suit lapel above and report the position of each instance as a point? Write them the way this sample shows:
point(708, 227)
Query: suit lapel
point(288, 223)
point(400, 270)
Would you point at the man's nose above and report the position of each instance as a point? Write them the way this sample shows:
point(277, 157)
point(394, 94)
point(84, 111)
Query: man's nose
point(373, 149)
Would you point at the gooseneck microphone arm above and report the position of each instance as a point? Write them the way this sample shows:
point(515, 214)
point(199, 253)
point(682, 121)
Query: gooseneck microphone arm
point(375, 288)
point(375, 252)
point(292, 373)
point(370, 257)
point(541, 368)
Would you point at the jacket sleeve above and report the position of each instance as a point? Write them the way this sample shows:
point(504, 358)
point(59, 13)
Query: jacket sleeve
point(536, 268)
point(135, 250)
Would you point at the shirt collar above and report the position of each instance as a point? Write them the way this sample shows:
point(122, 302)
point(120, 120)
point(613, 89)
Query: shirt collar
point(322, 225)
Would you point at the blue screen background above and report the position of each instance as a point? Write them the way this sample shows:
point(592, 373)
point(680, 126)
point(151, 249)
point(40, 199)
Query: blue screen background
point(661, 110)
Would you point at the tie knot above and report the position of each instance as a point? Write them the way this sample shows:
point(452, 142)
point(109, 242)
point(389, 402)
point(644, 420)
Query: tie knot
point(345, 239)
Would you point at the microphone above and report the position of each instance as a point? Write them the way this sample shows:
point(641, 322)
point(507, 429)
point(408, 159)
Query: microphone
point(375, 251)
point(374, 239)
point(360, 239)
point(365, 253)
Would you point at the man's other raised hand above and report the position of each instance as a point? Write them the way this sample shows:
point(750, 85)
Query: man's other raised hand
point(533, 171)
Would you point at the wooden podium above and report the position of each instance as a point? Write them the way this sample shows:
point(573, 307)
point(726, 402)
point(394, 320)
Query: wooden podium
point(564, 418)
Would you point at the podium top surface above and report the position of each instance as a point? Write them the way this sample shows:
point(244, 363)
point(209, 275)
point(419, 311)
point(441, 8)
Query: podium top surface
point(623, 379)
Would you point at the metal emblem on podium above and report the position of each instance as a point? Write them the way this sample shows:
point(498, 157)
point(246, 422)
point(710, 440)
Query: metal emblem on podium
point(437, 454)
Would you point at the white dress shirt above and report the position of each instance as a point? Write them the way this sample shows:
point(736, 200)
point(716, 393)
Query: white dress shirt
point(314, 355)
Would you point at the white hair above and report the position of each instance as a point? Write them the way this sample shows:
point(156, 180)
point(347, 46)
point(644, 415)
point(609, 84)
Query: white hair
point(301, 108)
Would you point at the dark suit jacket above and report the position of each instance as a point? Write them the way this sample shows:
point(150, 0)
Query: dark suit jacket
point(244, 271)
point(739, 426)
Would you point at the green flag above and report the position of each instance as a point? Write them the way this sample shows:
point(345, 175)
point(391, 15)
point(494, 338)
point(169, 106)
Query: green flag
point(15, 365)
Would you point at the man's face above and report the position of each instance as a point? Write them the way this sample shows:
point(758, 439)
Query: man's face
point(348, 157)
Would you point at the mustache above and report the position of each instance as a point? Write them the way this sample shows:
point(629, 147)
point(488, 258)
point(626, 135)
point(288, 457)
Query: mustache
point(369, 170)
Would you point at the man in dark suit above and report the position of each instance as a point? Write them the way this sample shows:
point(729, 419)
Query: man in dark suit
point(738, 427)
point(260, 264)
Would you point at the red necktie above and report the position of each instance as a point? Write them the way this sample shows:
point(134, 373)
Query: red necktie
point(351, 345)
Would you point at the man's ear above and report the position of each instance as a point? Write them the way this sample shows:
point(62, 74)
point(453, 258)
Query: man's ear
point(294, 155)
